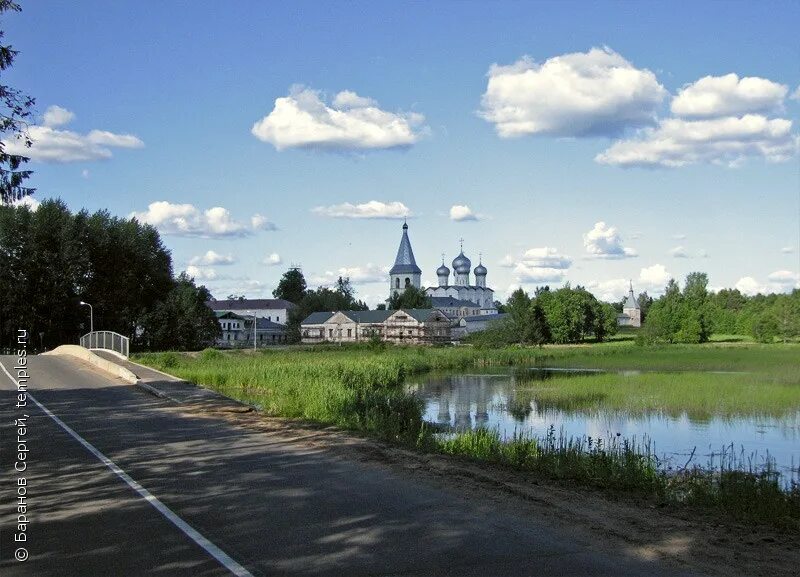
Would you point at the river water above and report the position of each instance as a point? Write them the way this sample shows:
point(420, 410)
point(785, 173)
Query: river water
point(498, 400)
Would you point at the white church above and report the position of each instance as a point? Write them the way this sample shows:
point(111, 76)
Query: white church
point(460, 299)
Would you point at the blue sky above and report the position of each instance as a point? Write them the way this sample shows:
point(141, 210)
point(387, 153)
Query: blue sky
point(592, 143)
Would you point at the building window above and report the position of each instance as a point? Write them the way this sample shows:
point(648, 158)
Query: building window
point(408, 282)
point(330, 333)
point(349, 332)
point(397, 283)
point(277, 319)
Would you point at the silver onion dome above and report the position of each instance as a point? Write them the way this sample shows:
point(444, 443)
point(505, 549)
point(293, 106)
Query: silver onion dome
point(443, 271)
point(461, 264)
point(480, 270)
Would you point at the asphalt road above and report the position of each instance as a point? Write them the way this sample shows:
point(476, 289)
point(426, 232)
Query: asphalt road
point(270, 507)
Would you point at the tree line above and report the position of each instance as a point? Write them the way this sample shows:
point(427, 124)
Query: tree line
point(565, 315)
point(52, 259)
point(693, 314)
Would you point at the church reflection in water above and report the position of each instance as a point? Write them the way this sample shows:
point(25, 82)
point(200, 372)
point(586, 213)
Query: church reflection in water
point(465, 401)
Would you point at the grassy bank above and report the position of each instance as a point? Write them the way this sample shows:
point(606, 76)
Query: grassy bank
point(358, 388)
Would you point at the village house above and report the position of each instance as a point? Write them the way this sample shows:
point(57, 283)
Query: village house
point(237, 331)
point(411, 326)
point(273, 310)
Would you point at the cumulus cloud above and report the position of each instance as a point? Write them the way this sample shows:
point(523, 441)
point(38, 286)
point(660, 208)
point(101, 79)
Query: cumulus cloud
point(50, 144)
point(371, 273)
point(371, 209)
point(57, 116)
point(597, 93)
point(783, 281)
point(201, 272)
point(462, 212)
point(507, 261)
point(272, 259)
point(652, 279)
point(727, 141)
point(729, 95)
point(188, 220)
point(605, 242)
point(259, 222)
point(679, 252)
point(28, 201)
point(538, 265)
point(212, 258)
point(524, 273)
point(352, 122)
point(787, 250)
point(749, 286)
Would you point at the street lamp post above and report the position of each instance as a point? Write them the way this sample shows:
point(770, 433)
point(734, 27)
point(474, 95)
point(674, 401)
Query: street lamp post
point(91, 316)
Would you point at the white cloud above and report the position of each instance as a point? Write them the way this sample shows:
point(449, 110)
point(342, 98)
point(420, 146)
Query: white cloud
point(749, 286)
point(462, 212)
point(610, 290)
point(783, 281)
point(371, 209)
point(546, 257)
point(796, 94)
point(352, 122)
point(53, 145)
point(201, 273)
point(679, 252)
point(787, 250)
point(85, 173)
point(728, 141)
point(702, 253)
point(259, 222)
point(605, 242)
point(188, 220)
point(577, 94)
point(654, 277)
point(57, 116)
point(679, 236)
point(538, 265)
point(212, 258)
point(714, 96)
point(28, 201)
point(272, 259)
point(358, 275)
point(507, 261)
point(524, 273)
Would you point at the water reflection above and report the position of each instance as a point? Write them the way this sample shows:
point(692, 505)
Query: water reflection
point(503, 400)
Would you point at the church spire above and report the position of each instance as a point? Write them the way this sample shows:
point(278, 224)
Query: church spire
point(404, 262)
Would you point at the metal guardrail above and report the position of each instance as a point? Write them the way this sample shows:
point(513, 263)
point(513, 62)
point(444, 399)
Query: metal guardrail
point(106, 340)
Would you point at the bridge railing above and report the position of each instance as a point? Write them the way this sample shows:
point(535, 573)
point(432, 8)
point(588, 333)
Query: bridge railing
point(106, 340)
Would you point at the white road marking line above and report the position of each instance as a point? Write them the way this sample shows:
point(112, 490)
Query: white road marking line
point(187, 529)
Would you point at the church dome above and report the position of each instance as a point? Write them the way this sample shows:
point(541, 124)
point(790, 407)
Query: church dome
point(461, 264)
point(443, 271)
point(480, 270)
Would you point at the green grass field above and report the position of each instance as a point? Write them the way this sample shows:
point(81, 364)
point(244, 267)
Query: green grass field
point(359, 388)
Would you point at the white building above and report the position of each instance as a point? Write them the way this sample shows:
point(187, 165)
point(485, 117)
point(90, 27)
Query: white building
point(273, 310)
point(478, 296)
point(631, 312)
point(409, 326)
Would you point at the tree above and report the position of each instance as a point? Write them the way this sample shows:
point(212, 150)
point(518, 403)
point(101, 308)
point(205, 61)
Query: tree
point(291, 287)
point(517, 307)
point(410, 298)
point(323, 299)
point(538, 332)
point(15, 108)
point(182, 321)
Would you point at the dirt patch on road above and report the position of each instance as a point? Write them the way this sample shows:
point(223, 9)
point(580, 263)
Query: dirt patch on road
point(612, 523)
